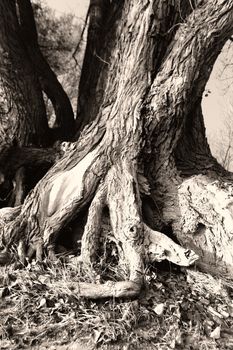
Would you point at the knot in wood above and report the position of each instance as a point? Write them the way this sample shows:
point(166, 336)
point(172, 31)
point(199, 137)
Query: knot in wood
point(135, 231)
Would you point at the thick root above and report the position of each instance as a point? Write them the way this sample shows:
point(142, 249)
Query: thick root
point(123, 201)
point(124, 289)
point(136, 242)
point(124, 204)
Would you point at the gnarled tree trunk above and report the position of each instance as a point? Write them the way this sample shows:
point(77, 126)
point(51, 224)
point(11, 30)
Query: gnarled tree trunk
point(144, 156)
point(20, 82)
point(24, 75)
point(24, 119)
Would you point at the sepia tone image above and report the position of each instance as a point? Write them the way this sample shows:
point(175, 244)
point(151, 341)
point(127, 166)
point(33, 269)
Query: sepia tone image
point(116, 174)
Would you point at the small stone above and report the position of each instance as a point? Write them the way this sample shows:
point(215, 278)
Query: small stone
point(159, 309)
point(215, 334)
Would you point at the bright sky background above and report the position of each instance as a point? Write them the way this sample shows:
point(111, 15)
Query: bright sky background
point(78, 7)
point(215, 106)
point(218, 105)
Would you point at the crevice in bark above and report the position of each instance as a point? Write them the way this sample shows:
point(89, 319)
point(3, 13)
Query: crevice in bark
point(169, 16)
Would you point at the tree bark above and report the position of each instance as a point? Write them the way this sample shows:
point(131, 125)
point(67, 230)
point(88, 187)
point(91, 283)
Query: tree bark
point(103, 38)
point(25, 121)
point(133, 158)
point(25, 118)
point(20, 81)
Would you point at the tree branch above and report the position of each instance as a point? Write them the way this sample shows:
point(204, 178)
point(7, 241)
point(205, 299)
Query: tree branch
point(16, 157)
point(49, 82)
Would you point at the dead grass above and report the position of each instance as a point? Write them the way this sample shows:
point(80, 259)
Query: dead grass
point(40, 310)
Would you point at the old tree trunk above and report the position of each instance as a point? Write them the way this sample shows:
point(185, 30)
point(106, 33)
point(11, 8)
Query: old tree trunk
point(142, 157)
point(24, 76)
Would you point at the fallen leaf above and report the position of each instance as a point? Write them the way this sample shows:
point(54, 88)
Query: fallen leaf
point(215, 334)
point(43, 303)
point(159, 309)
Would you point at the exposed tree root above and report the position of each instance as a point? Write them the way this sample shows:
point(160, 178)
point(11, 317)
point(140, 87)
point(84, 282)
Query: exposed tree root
point(124, 208)
point(92, 228)
point(122, 289)
point(119, 190)
point(157, 247)
point(136, 242)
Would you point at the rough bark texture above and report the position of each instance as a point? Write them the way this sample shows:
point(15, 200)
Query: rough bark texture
point(24, 74)
point(20, 81)
point(103, 38)
point(133, 158)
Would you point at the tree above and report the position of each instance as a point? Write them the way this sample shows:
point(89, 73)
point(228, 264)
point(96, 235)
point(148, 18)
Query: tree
point(23, 81)
point(142, 151)
point(57, 38)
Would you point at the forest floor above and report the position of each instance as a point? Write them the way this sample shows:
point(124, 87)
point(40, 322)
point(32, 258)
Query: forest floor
point(177, 309)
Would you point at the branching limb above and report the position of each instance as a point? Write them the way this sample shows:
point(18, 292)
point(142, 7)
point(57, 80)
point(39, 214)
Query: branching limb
point(14, 158)
point(48, 80)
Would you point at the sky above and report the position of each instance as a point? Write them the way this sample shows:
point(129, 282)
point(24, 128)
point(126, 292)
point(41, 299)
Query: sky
point(217, 106)
point(78, 7)
point(214, 106)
